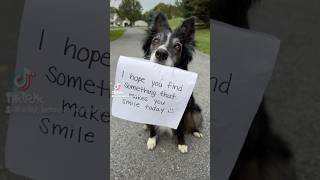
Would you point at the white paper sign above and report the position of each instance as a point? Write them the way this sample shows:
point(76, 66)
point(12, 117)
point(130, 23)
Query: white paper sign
point(59, 106)
point(242, 64)
point(151, 93)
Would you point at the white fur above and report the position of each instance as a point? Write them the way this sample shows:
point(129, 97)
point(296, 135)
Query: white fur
point(183, 148)
point(168, 39)
point(152, 142)
point(153, 57)
point(198, 134)
point(164, 46)
point(169, 61)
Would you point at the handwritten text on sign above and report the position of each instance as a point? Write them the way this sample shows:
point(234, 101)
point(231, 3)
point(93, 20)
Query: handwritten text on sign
point(151, 93)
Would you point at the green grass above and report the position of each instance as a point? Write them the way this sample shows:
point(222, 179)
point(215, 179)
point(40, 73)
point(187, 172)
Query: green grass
point(116, 33)
point(174, 23)
point(202, 36)
point(203, 40)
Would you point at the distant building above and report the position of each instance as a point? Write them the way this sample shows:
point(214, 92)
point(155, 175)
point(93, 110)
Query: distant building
point(116, 21)
point(140, 23)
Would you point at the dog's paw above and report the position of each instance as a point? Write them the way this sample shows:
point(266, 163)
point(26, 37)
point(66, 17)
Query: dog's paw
point(151, 143)
point(183, 148)
point(198, 134)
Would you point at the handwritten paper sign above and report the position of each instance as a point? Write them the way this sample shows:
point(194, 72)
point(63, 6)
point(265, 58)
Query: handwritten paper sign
point(62, 70)
point(151, 93)
point(242, 64)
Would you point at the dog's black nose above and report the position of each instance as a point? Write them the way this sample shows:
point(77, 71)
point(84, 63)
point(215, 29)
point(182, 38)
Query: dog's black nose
point(162, 54)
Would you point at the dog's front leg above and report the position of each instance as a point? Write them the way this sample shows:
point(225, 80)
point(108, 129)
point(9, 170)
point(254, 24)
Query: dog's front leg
point(181, 142)
point(152, 141)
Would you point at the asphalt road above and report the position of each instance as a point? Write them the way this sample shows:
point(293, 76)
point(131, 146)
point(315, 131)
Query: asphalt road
point(130, 158)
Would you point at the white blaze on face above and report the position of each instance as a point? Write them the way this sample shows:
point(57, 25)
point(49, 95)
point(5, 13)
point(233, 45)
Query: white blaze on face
point(169, 61)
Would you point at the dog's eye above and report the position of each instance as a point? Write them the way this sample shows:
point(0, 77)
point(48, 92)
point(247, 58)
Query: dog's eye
point(155, 40)
point(177, 46)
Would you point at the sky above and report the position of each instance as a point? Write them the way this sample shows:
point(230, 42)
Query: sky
point(146, 4)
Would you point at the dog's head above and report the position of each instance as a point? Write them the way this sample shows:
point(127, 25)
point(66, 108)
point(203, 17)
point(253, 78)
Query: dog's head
point(167, 47)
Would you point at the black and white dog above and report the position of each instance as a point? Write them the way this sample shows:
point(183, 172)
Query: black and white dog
point(264, 155)
point(173, 48)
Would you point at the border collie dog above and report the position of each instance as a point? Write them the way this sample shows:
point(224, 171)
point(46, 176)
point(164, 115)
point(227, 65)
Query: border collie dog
point(264, 155)
point(173, 48)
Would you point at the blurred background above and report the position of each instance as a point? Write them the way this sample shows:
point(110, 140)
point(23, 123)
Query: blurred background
point(293, 95)
point(124, 15)
point(10, 16)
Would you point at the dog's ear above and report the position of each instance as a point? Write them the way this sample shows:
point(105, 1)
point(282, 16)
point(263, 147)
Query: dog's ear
point(160, 23)
point(187, 28)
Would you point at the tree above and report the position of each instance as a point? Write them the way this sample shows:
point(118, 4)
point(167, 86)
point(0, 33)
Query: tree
point(186, 7)
point(201, 9)
point(164, 8)
point(130, 9)
point(148, 16)
point(113, 10)
point(176, 11)
point(198, 8)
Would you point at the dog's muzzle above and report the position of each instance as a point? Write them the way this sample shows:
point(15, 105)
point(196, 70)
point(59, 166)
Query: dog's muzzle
point(162, 54)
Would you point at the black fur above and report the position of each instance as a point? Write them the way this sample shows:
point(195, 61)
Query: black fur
point(185, 33)
point(233, 12)
point(265, 155)
point(159, 24)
